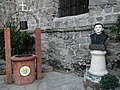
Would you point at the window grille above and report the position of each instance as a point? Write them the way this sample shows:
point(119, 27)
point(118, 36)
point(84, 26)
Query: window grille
point(72, 7)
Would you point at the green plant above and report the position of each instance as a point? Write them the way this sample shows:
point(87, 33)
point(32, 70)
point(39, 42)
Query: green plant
point(2, 46)
point(21, 42)
point(115, 29)
point(109, 81)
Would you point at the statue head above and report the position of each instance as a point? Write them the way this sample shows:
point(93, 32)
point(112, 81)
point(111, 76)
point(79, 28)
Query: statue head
point(98, 28)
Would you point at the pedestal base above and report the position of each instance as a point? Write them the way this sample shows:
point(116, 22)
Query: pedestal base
point(91, 82)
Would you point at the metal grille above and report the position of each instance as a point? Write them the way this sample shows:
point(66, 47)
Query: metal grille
point(72, 7)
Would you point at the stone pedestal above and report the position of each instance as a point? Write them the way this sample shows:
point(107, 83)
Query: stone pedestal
point(98, 63)
point(91, 82)
point(97, 69)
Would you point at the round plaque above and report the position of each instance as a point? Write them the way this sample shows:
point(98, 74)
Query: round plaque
point(25, 71)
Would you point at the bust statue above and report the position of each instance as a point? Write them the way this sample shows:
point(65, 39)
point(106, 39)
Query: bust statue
point(98, 38)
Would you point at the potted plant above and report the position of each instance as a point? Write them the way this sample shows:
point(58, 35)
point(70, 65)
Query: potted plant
point(109, 82)
point(22, 45)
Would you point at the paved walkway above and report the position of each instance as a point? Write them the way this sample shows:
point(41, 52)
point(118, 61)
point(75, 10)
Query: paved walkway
point(50, 81)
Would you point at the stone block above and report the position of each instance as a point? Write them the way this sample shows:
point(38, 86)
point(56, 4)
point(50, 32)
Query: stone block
point(85, 33)
point(92, 12)
point(108, 9)
point(115, 16)
point(58, 24)
point(98, 10)
point(73, 46)
point(50, 4)
point(90, 82)
point(49, 1)
point(59, 35)
point(118, 1)
point(71, 23)
point(64, 52)
point(118, 72)
point(77, 35)
point(91, 85)
point(61, 44)
point(95, 2)
point(88, 40)
point(69, 41)
point(80, 53)
point(77, 23)
point(71, 52)
point(118, 47)
point(57, 1)
point(52, 44)
point(116, 8)
point(84, 46)
point(118, 56)
point(91, 20)
point(108, 17)
point(112, 1)
point(81, 40)
point(47, 68)
point(99, 18)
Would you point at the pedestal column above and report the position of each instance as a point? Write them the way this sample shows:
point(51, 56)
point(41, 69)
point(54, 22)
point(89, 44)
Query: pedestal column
point(98, 64)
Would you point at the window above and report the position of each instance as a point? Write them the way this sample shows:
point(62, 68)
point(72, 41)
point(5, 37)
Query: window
point(72, 7)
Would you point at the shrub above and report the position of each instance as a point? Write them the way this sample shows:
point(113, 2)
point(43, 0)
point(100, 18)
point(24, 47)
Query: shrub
point(21, 42)
point(109, 81)
point(115, 29)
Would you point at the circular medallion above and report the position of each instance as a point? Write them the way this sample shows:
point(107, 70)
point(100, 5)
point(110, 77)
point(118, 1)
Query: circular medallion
point(25, 71)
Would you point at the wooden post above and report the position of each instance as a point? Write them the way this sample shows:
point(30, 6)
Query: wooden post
point(8, 55)
point(38, 52)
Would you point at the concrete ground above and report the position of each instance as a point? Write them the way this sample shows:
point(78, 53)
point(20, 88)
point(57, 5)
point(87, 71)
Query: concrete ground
point(50, 81)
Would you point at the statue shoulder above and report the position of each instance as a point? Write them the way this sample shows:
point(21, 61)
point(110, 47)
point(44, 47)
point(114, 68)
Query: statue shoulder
point(91, 35)
point(105, 35)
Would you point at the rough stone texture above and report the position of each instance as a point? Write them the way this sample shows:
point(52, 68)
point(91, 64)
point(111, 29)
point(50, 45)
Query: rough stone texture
point(65, 40)
point(108, 17)
point(92, 82)
point(95, 2)
point(50, 81)
point(89, 85)
point(64, 51)
point(108, 8)
point(99, 18)
point(6, 7)
point(116, 8)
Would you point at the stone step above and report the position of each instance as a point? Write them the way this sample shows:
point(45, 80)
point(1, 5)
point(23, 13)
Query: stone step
point(47, 68)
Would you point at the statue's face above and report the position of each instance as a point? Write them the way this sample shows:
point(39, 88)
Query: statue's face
point(98, 29)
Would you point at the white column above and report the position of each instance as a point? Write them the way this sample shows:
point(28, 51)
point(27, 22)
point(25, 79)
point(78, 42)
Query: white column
point(98, 64)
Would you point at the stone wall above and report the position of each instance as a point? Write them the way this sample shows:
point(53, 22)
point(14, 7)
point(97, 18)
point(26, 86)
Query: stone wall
point(65, 46)
point(43, 10)
point(46, 11)
point(65, 40)
point(104, 11)
point(6, 7)
point(69, 51)
point(66, 50)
